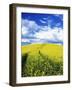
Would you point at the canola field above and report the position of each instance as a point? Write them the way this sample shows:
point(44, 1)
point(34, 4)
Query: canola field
point(42, 60)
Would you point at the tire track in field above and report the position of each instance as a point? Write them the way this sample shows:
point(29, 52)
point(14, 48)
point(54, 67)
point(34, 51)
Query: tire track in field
point(45, 58)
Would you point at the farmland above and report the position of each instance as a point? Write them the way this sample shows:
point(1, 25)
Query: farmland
point(42, 60)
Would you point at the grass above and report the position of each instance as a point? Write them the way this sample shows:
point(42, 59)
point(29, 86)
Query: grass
point(42, 60)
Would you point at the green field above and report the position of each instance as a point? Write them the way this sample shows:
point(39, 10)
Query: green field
point(42, 60)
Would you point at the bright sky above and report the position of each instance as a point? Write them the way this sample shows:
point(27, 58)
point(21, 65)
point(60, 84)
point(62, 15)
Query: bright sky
point(42, 28)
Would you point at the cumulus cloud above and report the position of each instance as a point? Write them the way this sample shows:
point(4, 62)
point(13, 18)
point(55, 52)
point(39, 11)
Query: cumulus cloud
point(40, 33)
point(51, 34)
point(29, 26)
point(24, 30)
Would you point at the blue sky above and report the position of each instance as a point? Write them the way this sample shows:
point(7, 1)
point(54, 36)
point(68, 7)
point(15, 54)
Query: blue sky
point(41, 28)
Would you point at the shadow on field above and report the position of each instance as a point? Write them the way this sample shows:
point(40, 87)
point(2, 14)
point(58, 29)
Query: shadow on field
point(24, 59)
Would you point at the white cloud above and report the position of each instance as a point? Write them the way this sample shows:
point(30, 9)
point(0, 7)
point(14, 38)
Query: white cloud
point(42, 21)
point(24, 30)
point(51, 34)
point(44, 28)
point(24, 22)
point(44, 32)
point(36, 40)
point(25, 40)
point(58, 24)
point(30, 24)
